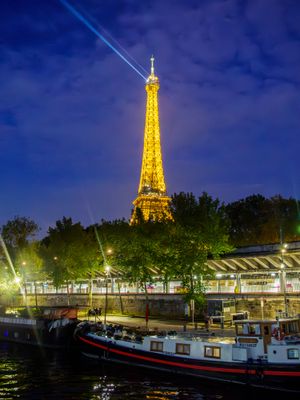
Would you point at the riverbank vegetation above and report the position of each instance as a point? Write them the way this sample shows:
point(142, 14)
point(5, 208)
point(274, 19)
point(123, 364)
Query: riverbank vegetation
point(202, 228)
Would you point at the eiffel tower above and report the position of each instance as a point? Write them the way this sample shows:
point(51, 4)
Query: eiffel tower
point(152, 200)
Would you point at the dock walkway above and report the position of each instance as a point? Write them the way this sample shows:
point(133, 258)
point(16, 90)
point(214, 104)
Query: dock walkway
point(167, 325)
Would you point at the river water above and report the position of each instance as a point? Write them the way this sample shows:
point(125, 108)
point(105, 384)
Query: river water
point(31, 373)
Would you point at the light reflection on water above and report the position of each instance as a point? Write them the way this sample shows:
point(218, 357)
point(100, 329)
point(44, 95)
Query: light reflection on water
point(26, 373)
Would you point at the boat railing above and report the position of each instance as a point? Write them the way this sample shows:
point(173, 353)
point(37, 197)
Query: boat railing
point(18, 321)
point(292, 339)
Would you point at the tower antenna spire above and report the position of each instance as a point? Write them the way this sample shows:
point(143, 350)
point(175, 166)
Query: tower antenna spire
point(152, 64)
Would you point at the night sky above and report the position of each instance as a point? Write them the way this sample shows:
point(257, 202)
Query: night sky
point(72, 112)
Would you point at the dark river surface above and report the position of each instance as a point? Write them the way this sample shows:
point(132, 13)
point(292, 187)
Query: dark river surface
point(30, 373)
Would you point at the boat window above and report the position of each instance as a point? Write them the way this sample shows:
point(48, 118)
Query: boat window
point(254, 329)
point(242, 329)
point(156, 346)
point(212, 352)
point(183, 348)
point(293, 327)
point(293, 354)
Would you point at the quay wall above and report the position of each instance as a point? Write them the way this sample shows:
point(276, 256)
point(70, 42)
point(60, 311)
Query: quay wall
point(172, 306)
point(160, 305)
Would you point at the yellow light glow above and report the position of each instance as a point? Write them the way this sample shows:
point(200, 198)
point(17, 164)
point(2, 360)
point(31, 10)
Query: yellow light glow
point(152, 197)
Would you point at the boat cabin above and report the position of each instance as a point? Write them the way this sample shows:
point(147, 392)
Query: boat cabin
point(253, 331)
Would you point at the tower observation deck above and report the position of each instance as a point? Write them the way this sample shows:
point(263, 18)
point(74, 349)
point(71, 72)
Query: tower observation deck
point(152, 201)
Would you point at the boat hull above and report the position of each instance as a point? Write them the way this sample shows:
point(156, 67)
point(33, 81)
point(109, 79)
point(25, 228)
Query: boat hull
point(38, 335)
point(263, 375)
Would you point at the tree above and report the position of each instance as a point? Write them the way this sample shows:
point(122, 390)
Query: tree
point(259, 220)
point(17, 232)
point(200, 232)
point(17, 237)
point(70, 252)
point(28, 259)
point(172, 249)
point(131, 249)
point(284, 217)
point(29, 264)
point(246, 217)
point(134, 251)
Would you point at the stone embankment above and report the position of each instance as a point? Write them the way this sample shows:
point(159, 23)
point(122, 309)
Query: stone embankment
point(170, 306)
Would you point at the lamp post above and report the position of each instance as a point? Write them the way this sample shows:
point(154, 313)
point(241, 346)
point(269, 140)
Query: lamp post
point(55, 259)
point(107, 272)
point(24, 281)
point(283, 247)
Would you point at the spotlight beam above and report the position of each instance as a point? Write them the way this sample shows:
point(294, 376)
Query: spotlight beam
point(81, 18)
point(8, 258)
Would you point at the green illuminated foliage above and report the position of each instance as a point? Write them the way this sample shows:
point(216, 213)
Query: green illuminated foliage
point(69, 252)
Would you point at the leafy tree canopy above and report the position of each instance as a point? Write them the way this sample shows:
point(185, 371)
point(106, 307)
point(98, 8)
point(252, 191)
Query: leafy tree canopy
point(70, 251)
point(18, 231)
point(200, 232)
point(29, 263)
point(259, 220)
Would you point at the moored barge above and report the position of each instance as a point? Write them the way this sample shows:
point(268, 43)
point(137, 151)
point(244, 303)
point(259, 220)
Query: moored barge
point(263, 353)
point(49, 327)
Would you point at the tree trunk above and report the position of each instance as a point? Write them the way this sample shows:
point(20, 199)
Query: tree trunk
point(25, 293)
point(35, 294)
point(106, 301)
point(120, 297)
point(91, 293)
point(192, 301)
point(192, 283)
point(68, 294)
point(147, 306)
point(166, 286)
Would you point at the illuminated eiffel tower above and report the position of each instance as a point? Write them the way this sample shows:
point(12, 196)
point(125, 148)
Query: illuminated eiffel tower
point(152, 199)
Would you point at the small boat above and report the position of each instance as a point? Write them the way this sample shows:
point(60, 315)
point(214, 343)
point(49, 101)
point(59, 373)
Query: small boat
point(261, 353)
point(50, 327)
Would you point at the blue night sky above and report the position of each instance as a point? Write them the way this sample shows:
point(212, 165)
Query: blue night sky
point(72, 112)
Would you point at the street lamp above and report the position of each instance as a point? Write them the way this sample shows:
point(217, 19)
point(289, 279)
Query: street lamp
point(283, 249)
point(24, 280)
point(17, 280)
point(218, 276)
point(107, 272)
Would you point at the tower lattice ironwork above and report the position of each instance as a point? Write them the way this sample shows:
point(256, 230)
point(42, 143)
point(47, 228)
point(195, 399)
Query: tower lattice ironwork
point(152, 199)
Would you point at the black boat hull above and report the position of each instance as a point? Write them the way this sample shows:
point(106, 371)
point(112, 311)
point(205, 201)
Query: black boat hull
point(38, 335)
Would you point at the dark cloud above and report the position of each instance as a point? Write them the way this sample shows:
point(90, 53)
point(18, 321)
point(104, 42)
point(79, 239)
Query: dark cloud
point(72, 112)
